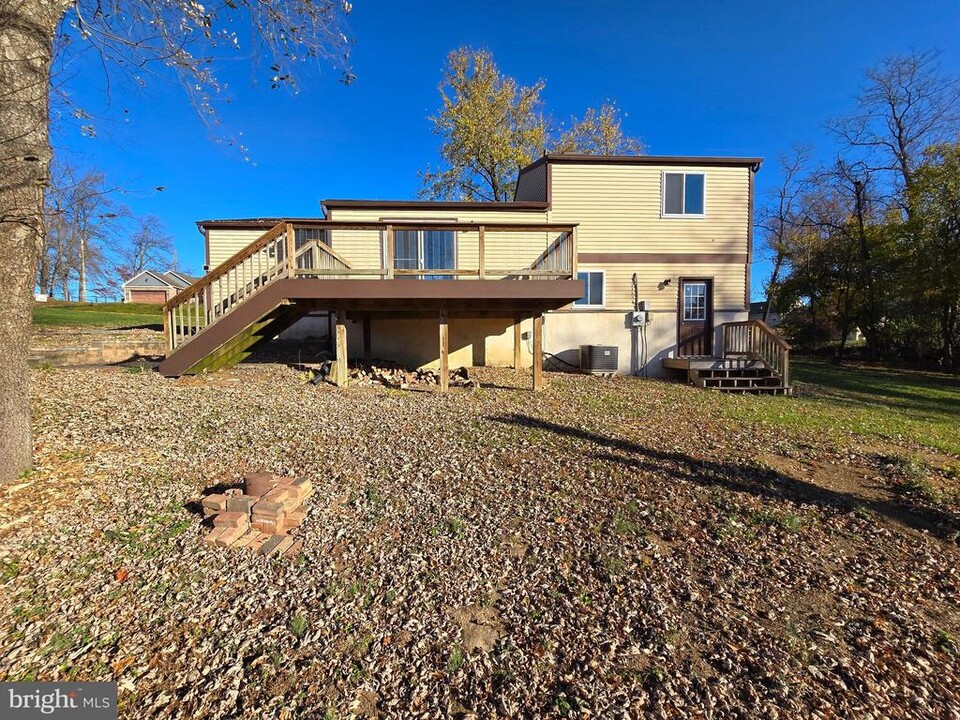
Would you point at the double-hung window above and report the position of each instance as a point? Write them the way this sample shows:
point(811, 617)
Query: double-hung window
point(592, 289)
point(683, 194)
point(425, 250)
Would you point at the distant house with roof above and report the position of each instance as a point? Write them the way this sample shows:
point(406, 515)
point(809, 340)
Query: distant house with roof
point(155, 287)
point(759, 309)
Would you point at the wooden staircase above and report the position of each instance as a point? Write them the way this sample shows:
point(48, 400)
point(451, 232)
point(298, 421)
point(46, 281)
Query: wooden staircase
point(223, 317)
point(755, 360)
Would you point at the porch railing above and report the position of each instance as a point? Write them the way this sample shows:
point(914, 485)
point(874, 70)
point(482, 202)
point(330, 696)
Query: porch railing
point(757, 340)
point(283, 252)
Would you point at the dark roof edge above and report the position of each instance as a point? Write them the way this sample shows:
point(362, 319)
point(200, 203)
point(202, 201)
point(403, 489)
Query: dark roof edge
point(716, 161)
point(435, 205)
point(157, 275)
point(243, 223)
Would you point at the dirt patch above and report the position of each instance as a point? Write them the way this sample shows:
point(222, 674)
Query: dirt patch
point(480, 627)
point(860, 485)
point(857, 481)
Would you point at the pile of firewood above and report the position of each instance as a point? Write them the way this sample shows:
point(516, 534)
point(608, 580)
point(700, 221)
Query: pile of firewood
point(396, 376)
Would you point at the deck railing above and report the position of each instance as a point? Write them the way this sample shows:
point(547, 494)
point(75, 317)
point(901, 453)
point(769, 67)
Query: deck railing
point(287, 250)
point(757, 340)
point(559, 259)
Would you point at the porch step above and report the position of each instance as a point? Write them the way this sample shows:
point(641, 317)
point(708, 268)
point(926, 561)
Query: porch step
point(736, 375)
point(757, 390)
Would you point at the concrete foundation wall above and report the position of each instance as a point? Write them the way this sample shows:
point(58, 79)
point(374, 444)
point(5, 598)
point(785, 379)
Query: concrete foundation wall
point(489, 342)
point(315, 326)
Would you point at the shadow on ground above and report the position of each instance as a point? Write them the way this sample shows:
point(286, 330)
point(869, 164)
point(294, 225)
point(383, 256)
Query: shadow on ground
point(156, 327)
point(743, 478)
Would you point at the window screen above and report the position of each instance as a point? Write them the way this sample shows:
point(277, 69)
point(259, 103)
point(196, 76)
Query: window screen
point(673, 193)
point(592, 288)
point(406, 250)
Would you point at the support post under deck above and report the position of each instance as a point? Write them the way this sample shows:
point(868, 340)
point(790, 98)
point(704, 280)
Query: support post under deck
point(366, 336)
point(517, 366)
point(340, 378)
point(444, 351)
point(538, 351)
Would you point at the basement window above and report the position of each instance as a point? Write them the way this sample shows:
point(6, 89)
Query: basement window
point(593, 289)
point(683, 194)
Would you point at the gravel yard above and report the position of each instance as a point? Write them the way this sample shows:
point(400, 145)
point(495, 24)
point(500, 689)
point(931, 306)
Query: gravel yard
point(606, 548)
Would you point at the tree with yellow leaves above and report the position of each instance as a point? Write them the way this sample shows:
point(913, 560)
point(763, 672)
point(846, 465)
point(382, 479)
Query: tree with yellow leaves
point(491, 126)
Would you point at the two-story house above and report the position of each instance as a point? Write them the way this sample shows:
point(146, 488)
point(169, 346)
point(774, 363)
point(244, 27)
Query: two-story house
point(645, 257)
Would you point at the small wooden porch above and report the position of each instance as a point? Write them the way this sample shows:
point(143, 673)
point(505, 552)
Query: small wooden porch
point(753, 359)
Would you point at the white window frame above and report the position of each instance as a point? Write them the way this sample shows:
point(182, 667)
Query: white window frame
point(420, 253)
point(683, 197)
point(603, 292)
point(706, 300)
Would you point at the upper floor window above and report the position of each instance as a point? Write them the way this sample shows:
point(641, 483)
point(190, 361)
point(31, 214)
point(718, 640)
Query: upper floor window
point(683, 193)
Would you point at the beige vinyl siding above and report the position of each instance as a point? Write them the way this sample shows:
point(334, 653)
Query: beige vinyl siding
point(224, 244)
point(532, 185)
point(618, 208)
point(728, 284)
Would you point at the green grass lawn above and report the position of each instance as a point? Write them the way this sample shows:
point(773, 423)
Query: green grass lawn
point(863, 400)
point(105, 315)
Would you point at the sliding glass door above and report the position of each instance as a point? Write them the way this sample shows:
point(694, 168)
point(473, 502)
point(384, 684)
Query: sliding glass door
point(425, 250)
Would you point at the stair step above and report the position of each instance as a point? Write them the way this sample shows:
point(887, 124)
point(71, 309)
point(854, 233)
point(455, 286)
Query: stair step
point(757, 390)
point(741, 382)
point(752, 373)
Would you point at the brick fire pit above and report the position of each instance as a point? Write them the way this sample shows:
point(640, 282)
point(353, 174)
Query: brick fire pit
point(260, 516)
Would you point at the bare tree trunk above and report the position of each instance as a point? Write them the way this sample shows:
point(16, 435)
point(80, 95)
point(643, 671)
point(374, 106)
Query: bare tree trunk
point(26, 46)
point(82, 287)
point(947, 331)
point(772, 284)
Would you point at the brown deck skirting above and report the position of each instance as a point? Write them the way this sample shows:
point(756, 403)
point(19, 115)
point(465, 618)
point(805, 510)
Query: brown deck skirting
point(401, 292)
point(678, 258)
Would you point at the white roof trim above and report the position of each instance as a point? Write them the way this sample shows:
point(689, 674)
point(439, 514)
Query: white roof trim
point(129, 283)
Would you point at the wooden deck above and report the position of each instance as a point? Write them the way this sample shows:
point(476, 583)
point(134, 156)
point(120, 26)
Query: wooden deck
point(711, 363)
point(272, 283)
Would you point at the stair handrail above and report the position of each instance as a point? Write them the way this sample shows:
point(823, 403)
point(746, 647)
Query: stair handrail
point(183, 318)
point(758, 340)
point(226, 266)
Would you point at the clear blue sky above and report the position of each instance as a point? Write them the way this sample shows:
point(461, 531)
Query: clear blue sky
point(701, 77)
